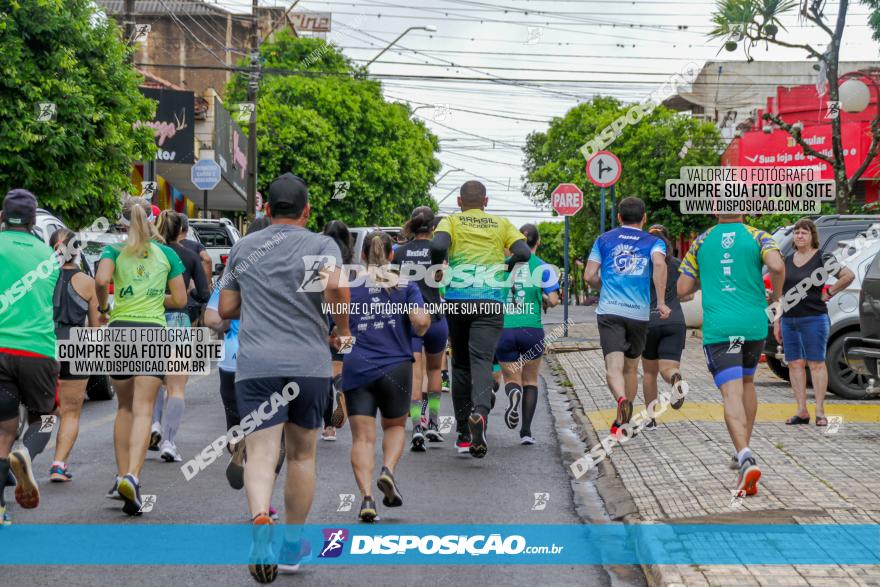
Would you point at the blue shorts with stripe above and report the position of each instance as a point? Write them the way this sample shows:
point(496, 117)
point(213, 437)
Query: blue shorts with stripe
point(731, 360)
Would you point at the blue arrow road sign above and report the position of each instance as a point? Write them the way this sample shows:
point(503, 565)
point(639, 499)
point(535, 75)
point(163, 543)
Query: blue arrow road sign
point(205, 174)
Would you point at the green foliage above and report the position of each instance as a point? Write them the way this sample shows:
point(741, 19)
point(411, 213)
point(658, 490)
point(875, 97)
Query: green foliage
point(552, 245)
point(649, 152)
point(338, 128)
point(874, 17)
point(61, 51)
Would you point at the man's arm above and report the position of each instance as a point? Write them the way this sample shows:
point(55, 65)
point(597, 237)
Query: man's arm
point(659, 260)
point(519, 253)
point(230, 304)
point(440, 247)
point(776, 267)
point(592, 276)
point(686, 286)
point(205, 258)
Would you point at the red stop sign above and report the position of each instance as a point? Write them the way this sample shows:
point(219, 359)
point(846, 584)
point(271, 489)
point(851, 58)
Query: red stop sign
point(567, 199)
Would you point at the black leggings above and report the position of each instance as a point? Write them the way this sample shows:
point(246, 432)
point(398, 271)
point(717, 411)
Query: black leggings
point(389, 395)
point(473, 337)
point(227, 394)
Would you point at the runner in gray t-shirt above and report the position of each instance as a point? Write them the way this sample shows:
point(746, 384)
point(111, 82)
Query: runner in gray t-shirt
point(283, 364)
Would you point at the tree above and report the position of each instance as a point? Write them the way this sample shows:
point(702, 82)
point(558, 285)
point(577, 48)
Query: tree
point(329, 125)
point(65, 53)
point(651, 152)
point(754, 21)
point(551, 249)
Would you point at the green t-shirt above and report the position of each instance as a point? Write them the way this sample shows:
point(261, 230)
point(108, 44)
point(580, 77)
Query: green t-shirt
point(478, 244)
point(139, 283)
point(727, 260)
point(29, 270)
point(530, 282)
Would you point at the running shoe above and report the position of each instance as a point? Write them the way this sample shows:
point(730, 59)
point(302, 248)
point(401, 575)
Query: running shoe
point(444, 381)
point(424, 421)
point(624, 410)
point(27, 493)
point(733, 465)
point(235, 468)
point(329, 434)
point(511, 414)
point(273, 513)
point(5, 520)
point(388, 486)
point(747, 479)
point(130, 491)
point(463, 444)
point(615, 429)
point(527, 440)
point(292, 554)
point(418, 439)
point(169, 453)
point(433, 432)
point(477, 428)
point(650, 424)
point(114, 491)
point(340, 413)
point(676, 381)
point(263, 565)
point(59, 474)
point(368, 510)
point(155, 435)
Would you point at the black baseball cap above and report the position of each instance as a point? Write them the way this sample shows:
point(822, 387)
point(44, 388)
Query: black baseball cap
point(288, 193)
point(19, 208)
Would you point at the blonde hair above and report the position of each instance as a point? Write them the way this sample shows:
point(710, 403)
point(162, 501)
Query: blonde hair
point(140, 231)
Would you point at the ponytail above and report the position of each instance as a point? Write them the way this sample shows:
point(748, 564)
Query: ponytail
point(169, 226)
point(376, 250)
point(140, 231)
point(421, 222)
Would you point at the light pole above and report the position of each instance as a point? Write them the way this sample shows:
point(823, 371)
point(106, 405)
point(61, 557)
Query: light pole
point(430, 28)
point(436, 181)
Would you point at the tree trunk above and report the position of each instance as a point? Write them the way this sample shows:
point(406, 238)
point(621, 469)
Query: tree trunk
point(839, 166)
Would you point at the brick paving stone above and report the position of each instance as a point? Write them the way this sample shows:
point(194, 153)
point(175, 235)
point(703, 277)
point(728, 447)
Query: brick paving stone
point(679, 471)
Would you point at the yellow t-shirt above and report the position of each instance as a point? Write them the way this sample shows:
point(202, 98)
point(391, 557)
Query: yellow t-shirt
point(476, 255)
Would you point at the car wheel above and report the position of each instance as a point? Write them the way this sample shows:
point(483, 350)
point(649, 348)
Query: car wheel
point(99, 388)
point(22, 421)
point(842, 379)
point(778, 368)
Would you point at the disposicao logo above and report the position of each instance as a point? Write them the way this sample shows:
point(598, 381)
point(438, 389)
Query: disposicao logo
point(334, 540)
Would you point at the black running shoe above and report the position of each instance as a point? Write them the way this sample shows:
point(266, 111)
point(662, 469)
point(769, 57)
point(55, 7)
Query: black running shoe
point(463, 444)
point(433, 432)
point(477, 428)
point(155, 436)
point(511, 414)
point(418, 439)
point(130, 491)
point(368, 510)
point(388, 486)
point(651, 424)
point(677, 388)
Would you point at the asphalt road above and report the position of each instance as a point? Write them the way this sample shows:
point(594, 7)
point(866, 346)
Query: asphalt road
point(439, 486)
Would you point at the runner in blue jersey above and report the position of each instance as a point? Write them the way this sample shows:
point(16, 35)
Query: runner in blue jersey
point(622, 265)
point(377, 373)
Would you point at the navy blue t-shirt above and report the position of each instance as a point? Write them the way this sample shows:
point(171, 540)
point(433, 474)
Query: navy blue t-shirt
point(382, 339)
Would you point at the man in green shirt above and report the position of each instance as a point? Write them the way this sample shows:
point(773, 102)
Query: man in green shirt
point(28, 370)
point(726, 262)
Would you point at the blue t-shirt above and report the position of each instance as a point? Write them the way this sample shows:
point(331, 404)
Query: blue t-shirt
point(231, 341)
point(382, 340)
point(626, 268)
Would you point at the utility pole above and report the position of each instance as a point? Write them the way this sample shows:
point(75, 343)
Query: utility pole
point(128, 23)
point(253, 83)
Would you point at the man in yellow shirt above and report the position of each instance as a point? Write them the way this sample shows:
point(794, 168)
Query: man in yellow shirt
point(475, 243)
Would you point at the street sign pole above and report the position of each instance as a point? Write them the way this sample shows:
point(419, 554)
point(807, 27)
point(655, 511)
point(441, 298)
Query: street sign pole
point(613, 207)
point(601, 211)
point(565, 283)
point(205, 205)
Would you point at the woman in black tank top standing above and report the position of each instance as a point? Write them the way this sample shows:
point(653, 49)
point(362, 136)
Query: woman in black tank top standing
point(75, 302)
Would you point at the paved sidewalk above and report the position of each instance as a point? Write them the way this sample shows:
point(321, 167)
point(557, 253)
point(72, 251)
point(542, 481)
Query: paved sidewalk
point(679, 472)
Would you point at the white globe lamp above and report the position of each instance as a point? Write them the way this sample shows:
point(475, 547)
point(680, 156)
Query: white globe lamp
point(854, 96)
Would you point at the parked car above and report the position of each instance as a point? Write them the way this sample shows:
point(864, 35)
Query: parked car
point(217, 235)
point(863, 350)
point(843, 312)
point(359, 233)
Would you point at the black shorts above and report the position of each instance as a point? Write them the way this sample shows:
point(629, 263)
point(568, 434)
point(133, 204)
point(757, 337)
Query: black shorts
point(255, 399)
point(128, 324)
point(389, 395)
point(66, 375)
point(28, 379)
point(733, 360)
point(665, 341)
point(622, 335)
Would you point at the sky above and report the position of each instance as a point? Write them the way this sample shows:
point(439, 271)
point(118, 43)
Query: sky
point(543, 58)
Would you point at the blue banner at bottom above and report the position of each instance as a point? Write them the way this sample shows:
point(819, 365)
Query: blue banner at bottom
point(597, 544)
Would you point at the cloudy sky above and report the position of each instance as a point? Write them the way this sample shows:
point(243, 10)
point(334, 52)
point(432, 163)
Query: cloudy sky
point(534, 59)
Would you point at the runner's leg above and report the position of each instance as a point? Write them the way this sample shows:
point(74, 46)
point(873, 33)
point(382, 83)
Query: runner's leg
point(299, 487)
point(433, 366)
point(393, 439)
point(122, 425)
point(175, 389)
point(650, 370)
point(614, 374)
point(530, 396)
point(459, 336)
point(144, 396)
point(259, 471)
point(71, 396)
point(363, 452)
